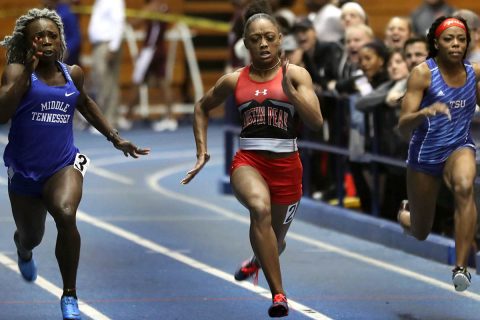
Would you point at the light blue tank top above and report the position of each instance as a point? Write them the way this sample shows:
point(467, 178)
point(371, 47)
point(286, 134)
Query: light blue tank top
point(438, 136)
point(41, 132)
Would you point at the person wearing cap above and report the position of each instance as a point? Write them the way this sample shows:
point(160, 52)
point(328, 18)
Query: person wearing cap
point(319, 58)
point(437, 112)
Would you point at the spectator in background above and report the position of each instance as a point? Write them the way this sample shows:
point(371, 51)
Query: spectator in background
point(71, 28)
point(423, 16)
point(473, 21)
point(398, 30)
point(384, 104)
point(355, 38)
point(105, 32)
point(321, 60)
point(326, 20)
point(150, 67)
point(285, 17)
point(350, 85)
point(236, 58)
point(415, 51)
point(352, 14)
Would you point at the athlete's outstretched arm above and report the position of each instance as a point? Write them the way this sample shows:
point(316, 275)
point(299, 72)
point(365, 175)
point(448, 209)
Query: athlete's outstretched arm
point(297, 85)
point(411, 115)
point(90, 110)
point(213, 98)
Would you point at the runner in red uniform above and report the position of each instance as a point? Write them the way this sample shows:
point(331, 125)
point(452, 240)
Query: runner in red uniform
point(266, 172)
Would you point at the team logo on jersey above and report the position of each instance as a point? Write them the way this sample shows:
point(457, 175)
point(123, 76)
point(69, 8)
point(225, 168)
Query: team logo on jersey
point(258, 92)
point(458, 104)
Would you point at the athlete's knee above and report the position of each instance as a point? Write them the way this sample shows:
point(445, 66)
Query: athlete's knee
point(30, 241)
point(462, 187)
point(260, 210)
point(419, 233)
point(64, 215)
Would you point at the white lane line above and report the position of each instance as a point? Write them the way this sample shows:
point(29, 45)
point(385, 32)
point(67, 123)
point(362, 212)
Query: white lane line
point(152, 246)
point(161, 155)
point(51, 288)
point(107, 174)
point(153, 183)
point(3, 139)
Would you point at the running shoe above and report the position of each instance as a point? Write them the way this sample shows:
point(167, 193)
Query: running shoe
point(247, 269)
point(403, 207)
point(28, 269)
point(279, 307)
point(461, 278)
point(69, 307)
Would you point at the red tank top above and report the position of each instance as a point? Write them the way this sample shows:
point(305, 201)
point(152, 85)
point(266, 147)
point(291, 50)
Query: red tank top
point(268, 117)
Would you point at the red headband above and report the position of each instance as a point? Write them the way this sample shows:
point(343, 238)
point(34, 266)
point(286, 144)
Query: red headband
point(447, 23)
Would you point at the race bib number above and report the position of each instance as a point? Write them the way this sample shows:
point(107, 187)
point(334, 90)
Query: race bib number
point(81, 163)
point(291, 210)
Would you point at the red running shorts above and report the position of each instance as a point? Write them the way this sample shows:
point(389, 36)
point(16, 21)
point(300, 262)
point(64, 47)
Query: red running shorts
point(283, 176)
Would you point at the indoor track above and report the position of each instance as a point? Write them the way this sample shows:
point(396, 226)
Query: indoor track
point(155, 249)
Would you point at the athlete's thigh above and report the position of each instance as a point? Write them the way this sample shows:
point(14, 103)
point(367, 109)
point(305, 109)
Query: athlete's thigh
point(422, 190)
point(62, 189)
point(28, 212)
point(282, 217)
point(460, 168)
point(248, 185)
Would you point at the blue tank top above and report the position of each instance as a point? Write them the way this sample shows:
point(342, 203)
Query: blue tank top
point(41, 132)
point(437, 136)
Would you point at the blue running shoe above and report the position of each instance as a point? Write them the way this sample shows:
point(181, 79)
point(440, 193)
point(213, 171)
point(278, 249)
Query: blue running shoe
point(70, 308)
point(28, 269)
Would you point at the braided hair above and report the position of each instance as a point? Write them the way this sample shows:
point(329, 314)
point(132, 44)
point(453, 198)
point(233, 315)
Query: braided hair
point(259, 9)
point(17, 44)
point(432, 50)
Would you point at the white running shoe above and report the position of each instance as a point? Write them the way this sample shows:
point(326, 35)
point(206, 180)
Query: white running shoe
point(124, 124)
point(164, 125)
point(461, 278)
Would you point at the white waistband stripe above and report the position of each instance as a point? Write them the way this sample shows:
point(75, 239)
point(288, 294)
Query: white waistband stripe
point(268, 144)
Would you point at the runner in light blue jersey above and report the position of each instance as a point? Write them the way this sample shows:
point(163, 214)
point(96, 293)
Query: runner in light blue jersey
point(437, 111)
point(39, 94)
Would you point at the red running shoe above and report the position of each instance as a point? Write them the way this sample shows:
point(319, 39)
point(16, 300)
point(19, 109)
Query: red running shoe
point(247, 269)
point(279, 307)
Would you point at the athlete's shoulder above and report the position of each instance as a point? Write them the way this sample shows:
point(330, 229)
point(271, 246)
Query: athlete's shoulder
point(77, 74)
point(230, 79)
point(476, 69)
point(298, 74)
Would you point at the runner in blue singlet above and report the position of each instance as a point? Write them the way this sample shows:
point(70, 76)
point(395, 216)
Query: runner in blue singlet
point(39, 94)
point(437, 111)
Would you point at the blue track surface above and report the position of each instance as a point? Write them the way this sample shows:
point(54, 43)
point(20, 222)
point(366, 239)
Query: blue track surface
point(155, 249)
